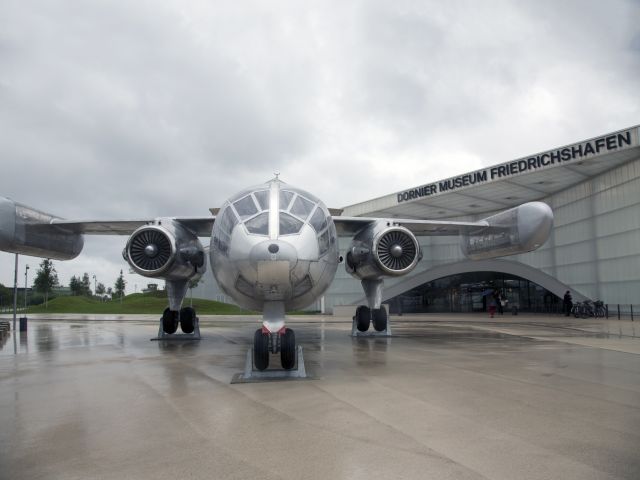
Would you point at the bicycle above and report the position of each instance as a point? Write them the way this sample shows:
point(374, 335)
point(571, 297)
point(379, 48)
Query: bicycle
point(583, 309)
point(600, 310)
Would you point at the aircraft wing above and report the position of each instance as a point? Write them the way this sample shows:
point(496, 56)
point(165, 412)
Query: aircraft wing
point(351, 225)
point(201, 226)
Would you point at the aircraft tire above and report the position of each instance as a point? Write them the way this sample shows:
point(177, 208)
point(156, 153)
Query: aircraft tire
point(169, 321)
point(288, 349)
point(363, 318)
point(379, 316)
point(187, 319)
point(261, 350)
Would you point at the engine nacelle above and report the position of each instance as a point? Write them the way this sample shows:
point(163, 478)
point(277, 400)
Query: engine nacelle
point(382, 250)
point(28, 231)
point(526, 228)
point(166, 250)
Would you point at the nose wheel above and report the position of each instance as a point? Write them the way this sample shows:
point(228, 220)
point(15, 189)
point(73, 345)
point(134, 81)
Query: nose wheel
point(261, 349)
point(265, 343)
point(288, 349)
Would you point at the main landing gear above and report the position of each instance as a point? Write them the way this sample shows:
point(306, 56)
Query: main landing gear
point(366, 316)
point(187, 320)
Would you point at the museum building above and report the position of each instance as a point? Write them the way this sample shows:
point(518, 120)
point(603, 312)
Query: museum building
point(593, 187)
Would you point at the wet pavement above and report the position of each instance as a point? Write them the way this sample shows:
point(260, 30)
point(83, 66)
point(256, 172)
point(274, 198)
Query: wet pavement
point(448, 397)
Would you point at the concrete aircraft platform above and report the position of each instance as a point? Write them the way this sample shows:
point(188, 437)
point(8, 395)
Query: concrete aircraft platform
point(448, 397)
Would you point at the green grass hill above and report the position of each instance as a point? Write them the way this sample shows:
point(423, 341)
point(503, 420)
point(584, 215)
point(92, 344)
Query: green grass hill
point(131, 304)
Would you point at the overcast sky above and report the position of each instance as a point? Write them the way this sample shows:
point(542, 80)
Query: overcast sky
point(117, 109)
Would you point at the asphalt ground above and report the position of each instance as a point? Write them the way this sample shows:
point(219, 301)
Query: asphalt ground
point(447, 397)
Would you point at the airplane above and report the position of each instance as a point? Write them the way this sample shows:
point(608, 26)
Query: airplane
point(273, 248)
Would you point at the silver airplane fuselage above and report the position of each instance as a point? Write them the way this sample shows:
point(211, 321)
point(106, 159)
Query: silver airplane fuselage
point(274, 248)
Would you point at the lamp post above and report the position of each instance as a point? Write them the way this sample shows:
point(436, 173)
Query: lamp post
point(95, 293)
point(15, 293)
point(26, 270)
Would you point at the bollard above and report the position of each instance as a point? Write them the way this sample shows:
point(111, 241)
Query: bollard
point(606, 311)
point(631, 312)
point(618, 311)
point(23, 324)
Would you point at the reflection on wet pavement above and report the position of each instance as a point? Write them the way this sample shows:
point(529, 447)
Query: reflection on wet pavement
point(446, 397)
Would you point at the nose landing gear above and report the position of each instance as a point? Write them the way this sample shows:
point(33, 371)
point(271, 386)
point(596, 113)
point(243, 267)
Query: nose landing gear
point(266, 343)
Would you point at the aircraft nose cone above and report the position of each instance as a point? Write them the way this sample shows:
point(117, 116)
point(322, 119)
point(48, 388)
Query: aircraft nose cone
point(151, 250)
point(396, 251)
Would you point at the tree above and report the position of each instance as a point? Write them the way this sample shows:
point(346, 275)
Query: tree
point(6, 296)
point(80, 286)
point(110, 292)
point(86, 285)
point(46, 279)
point(120, 285)
point(100, 289)
point(75, 285)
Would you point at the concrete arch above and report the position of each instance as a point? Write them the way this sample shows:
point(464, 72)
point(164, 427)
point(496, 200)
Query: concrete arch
point(504, 266)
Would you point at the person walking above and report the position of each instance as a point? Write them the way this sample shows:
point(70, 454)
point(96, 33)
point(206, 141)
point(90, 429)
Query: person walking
point(499, 301)
point(491, 304)
point(567, 303)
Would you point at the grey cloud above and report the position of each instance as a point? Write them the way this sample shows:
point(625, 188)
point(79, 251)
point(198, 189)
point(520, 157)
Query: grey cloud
point(124, 110)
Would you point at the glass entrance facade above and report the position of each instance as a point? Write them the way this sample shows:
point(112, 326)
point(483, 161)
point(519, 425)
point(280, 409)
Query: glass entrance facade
point(464, 293)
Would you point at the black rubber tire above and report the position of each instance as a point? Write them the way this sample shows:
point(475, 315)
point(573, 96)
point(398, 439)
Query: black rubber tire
point(379, 317)
point(261, 350)
point(363, 318)
point(170, 321)
point(288, 349)
point(187, 319)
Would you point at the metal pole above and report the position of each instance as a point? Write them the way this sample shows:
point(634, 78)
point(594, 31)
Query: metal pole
point(94, 285)
point(631, 312)
point(26, 270)
point(618, 311)
point(15, 293)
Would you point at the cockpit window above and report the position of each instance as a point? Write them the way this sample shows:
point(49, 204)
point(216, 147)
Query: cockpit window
point(285, 199)
point(228, 221)
point(289, 224)
point(258, 225)
point(302, 207)
point(262, 196)
point(323, 242)
point(245, 207)
point(318, 221)
point(225, 224)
